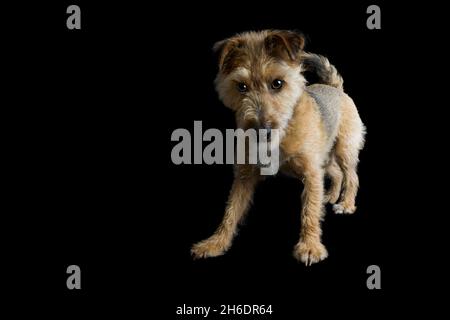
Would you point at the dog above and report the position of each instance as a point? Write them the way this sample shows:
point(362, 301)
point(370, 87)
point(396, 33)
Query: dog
point(261, 78)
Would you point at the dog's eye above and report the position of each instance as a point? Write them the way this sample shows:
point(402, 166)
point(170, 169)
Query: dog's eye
point(277, 84)
point(242, 87)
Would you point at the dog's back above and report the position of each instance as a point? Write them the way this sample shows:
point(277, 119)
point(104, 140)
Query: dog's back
point(336, 108)
point(328, 100)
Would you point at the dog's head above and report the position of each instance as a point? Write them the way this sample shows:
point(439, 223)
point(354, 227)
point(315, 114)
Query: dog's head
point(260, 77)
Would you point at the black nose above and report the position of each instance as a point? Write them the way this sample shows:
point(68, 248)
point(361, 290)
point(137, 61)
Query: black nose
point(268, 129)
point(269, 134)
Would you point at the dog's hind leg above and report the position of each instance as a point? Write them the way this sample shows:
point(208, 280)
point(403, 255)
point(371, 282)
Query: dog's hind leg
point(350, 141)
point(246, 178)
point(334, 172)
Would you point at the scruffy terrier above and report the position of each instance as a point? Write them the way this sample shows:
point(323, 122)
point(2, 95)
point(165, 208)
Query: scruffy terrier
point(261, 79)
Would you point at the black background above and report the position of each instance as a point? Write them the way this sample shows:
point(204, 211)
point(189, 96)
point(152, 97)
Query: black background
point(94, 185)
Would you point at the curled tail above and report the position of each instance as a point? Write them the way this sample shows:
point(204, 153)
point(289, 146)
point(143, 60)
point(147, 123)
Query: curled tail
point(323, 69)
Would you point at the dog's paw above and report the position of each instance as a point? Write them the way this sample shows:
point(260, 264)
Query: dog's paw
point(208, 248)
point(331, 198)
point(310, 252)
point(341, 208)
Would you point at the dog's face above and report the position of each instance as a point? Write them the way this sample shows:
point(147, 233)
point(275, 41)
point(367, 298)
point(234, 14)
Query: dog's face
point(260, 77)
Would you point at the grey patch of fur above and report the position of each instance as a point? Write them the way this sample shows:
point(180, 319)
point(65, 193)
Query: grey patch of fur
point(328, 100)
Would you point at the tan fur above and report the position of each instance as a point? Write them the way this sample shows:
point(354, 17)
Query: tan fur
point(309, 148)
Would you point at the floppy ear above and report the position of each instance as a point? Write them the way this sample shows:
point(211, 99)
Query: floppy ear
point(286, 45)
point(227, 51)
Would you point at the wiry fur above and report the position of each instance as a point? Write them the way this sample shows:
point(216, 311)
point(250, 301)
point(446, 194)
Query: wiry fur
point(325, 71)
point(321, 131)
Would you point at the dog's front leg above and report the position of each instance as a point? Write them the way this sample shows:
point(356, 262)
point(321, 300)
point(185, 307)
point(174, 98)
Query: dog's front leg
point(239, 201)
point(310, 249)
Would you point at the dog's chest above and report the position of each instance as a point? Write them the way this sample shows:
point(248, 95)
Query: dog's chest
point(286, 166)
